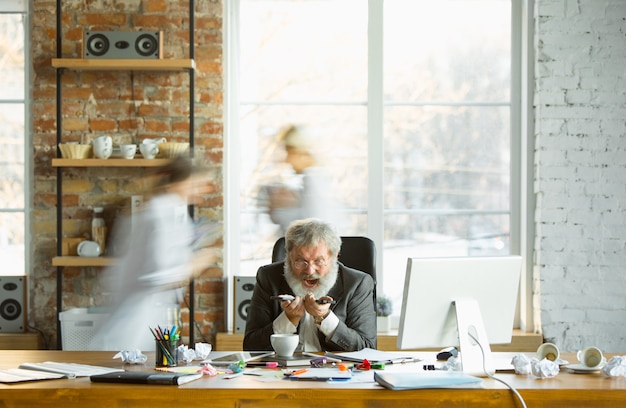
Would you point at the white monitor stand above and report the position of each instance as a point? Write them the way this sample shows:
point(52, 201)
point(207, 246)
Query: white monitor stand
point(469, 321)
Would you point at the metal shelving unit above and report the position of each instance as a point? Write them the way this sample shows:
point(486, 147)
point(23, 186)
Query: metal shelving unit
point(62, 64)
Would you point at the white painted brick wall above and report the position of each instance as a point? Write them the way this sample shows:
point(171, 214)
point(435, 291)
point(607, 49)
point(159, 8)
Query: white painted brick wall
point(580, 157)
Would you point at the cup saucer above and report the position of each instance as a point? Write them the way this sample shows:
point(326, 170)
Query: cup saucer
point(561, 362)
point(582, 369)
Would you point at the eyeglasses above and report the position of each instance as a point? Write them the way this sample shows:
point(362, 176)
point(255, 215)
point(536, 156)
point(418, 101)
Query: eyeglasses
point(301, 264)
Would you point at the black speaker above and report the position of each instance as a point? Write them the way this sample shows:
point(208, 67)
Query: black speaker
point(12, 304)
point(123, 44)
point(244, 285)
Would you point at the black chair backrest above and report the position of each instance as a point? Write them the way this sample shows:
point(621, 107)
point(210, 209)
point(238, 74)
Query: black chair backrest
point(356, 252)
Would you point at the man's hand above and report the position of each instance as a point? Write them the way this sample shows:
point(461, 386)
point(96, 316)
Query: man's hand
point(294, 309)
point(315, 309)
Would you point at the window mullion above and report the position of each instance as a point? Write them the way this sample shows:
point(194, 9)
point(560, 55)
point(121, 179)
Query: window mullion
point(375, 153)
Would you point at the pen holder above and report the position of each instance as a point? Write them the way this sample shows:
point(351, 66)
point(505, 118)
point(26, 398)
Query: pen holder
point(166, 353)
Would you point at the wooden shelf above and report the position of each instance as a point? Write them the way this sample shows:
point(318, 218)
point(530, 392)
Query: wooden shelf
point(102, 64)
point(80, 261)
point(109, 162)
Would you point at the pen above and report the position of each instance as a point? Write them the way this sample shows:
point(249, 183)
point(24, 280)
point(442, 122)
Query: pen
point(403, 360)
point(325, 301)
point(234, 375)
point(301, 371)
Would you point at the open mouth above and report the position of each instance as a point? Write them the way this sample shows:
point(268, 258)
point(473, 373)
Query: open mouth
point(310, 283)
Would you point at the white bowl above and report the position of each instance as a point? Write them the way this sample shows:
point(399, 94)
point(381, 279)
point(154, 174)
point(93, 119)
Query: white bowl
point(88, 249)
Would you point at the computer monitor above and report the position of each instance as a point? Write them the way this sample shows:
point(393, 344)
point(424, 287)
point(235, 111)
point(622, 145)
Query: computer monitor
point(446, 301)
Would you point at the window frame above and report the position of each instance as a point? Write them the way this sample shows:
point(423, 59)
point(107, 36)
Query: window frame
point(522, 199)
point(22, 7)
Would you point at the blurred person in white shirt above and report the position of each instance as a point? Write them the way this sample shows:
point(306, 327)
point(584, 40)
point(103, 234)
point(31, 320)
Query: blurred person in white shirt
point(309, 193)
point(156, 261)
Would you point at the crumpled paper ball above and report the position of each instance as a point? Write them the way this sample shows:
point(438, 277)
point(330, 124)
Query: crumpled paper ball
point(187, 355)
point(616, 366)
point(202, 350)
point(452, 364)
point(208, 369)
point(544, 368)
point(132, 356)
point(521, 364)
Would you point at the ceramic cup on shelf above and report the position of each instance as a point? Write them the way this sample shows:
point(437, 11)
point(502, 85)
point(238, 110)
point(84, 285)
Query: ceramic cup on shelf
point(284, 344)
point(102, 147)
point(149, 150)
point(157, 140)
point(128, 151)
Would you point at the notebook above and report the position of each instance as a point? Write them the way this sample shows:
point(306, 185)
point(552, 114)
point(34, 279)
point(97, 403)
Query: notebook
point(430, 379)
point(69, 370)
point(234, 358)
point(13, 375)
point(145, 377)
point(321, 374)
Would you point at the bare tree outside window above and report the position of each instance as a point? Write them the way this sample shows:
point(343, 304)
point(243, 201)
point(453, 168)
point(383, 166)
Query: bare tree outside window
point(446, 80)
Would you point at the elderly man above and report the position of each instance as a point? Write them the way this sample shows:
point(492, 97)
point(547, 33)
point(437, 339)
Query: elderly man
point(328, 304)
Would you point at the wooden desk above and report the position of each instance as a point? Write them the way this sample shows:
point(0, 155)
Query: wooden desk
point(566, 390)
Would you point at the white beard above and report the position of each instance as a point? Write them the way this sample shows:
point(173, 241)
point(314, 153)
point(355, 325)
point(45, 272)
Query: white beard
point(324, 284)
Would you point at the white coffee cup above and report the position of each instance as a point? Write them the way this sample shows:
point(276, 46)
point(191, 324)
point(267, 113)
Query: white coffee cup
point(128, 151)
point(158, 140)
point(549, 351)
point(102, 147)
point(149, 150)
point(591, 357)
point(284, 344)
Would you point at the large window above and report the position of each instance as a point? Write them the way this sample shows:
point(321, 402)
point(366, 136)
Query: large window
point(13, 26)
point(409, 104)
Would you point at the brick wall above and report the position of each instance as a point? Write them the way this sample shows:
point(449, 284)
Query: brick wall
point(129, 107)
point(580, 129)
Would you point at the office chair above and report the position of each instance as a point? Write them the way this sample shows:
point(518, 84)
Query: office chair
point(356, 252)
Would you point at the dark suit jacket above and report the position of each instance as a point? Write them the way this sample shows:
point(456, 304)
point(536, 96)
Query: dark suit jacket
point(353, 292)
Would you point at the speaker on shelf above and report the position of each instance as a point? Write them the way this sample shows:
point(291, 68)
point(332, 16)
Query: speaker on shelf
point(12, 304)
point(123, 44)
point(244, 285)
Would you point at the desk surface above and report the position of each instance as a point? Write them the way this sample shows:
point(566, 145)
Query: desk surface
point(567, 389)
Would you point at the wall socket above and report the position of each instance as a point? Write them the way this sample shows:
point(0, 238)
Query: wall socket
point(136, 201)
